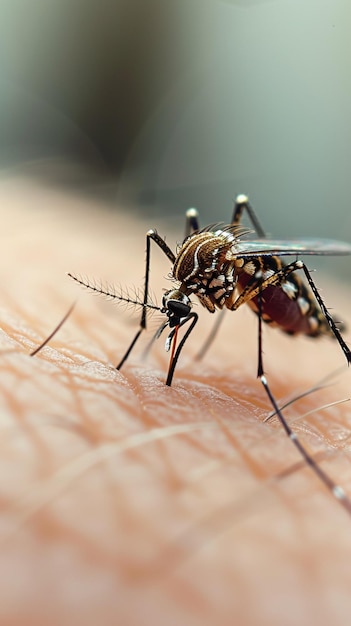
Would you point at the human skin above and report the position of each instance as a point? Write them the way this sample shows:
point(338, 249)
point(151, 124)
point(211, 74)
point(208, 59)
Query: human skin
point(124, 501)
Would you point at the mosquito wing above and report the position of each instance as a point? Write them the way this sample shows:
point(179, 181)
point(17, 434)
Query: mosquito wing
point(277, 247)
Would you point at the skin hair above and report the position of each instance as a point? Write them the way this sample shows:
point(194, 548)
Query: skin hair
point(127, 502)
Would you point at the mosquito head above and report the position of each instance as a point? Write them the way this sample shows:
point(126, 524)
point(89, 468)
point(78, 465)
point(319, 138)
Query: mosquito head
point(176, 305)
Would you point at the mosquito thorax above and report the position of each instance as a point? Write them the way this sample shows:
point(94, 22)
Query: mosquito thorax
point(205, 265)
point(176, 305)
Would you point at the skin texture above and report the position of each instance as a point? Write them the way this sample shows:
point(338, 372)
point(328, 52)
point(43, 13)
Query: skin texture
point(123, 501)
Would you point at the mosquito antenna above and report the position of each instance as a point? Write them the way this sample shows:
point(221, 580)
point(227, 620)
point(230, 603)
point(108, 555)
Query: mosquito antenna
point(121, 295)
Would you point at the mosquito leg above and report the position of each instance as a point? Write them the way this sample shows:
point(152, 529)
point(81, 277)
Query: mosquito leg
point(173, 363)
point(242, 204)
point(343, 345)
point(260, 370)
point(126, 355)
point(191, 222)
point(257, 286)
point(151, 235)
point(337, 491)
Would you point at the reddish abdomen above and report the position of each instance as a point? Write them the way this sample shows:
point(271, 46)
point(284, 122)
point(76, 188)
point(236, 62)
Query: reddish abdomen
point(279, 308)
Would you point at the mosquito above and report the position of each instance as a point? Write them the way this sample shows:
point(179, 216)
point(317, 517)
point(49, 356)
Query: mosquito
point(225, 271)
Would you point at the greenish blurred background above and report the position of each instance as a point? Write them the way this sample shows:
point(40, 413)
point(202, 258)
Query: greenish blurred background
point(165, 104)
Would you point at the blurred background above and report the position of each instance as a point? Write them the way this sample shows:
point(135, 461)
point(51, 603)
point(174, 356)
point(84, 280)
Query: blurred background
point(158, 105)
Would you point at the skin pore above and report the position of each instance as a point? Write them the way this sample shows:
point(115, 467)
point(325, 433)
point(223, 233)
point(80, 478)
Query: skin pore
point(127, 502)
